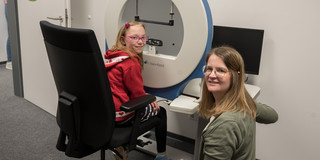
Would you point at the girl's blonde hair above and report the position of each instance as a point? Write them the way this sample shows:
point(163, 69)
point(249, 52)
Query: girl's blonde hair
point(237, 97)
point(119, 46)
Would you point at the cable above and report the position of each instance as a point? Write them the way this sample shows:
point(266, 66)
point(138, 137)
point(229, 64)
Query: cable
point(165, 101)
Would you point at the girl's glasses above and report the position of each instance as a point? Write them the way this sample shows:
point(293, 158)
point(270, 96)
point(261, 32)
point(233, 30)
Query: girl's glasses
point(137, 38)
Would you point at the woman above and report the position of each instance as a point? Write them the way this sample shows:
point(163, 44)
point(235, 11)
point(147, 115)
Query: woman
point(123, 64)
point(231, 132)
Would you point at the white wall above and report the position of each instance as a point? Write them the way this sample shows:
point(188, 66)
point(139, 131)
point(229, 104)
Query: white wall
point(289, 76)
point(90, 15)
point(3, 33)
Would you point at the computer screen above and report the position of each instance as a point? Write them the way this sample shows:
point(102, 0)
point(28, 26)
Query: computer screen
point(247, 41)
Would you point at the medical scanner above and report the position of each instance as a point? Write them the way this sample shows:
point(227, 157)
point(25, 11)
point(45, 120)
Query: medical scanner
point(180, 36)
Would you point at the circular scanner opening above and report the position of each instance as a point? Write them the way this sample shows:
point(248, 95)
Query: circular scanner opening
point(158, 10)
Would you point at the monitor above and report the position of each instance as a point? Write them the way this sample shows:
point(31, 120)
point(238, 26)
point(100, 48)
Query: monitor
point(247, 41)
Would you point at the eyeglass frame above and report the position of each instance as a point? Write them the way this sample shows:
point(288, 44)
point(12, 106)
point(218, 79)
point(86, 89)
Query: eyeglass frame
point(209, 72)
point(138, 38)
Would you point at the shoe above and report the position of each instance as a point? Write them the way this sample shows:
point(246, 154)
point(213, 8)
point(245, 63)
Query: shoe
point(161, 158)
point(121, 153)
point(9, 65)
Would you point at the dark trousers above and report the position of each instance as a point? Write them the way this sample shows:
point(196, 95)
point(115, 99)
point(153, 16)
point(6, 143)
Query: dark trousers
point(160, 130)
point(8, 40)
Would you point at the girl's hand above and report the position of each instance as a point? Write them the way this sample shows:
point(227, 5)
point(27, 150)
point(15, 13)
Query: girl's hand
point(155, 106)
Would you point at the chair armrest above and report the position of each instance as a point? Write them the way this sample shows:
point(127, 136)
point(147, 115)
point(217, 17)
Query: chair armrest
point(137, 103)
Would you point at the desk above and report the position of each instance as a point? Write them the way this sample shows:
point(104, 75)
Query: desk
point(188, 104)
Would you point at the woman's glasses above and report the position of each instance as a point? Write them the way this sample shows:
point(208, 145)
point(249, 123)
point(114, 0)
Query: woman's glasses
point(219, 72)
point(137, 38)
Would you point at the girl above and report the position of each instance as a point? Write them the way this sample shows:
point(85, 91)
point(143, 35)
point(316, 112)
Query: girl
point(124, 63)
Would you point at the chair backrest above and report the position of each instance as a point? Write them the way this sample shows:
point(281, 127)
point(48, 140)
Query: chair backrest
point(86, 111)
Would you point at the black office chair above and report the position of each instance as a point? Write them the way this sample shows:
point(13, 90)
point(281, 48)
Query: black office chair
point(86, 113)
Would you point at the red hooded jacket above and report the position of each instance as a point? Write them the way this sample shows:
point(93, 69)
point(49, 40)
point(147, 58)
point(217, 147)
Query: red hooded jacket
point(125, 80)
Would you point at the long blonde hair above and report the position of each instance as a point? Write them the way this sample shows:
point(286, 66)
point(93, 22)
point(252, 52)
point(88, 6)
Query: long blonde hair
point(119, 46)
point(237, 97)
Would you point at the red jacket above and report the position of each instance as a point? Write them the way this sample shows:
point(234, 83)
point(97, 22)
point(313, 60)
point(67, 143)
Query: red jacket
point(125, 80)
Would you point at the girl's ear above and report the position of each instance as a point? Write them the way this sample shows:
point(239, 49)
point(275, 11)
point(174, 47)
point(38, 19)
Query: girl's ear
point(122, 41)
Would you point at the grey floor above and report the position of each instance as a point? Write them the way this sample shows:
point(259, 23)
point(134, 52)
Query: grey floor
point(29, 133)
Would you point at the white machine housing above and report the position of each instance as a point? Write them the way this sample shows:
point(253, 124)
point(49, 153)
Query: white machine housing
point(165, 69)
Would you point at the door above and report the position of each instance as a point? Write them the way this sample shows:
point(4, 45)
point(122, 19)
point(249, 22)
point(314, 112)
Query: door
point(38, 84)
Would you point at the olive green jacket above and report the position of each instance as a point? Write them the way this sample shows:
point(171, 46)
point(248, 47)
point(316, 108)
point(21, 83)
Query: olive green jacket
point(231, 136)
